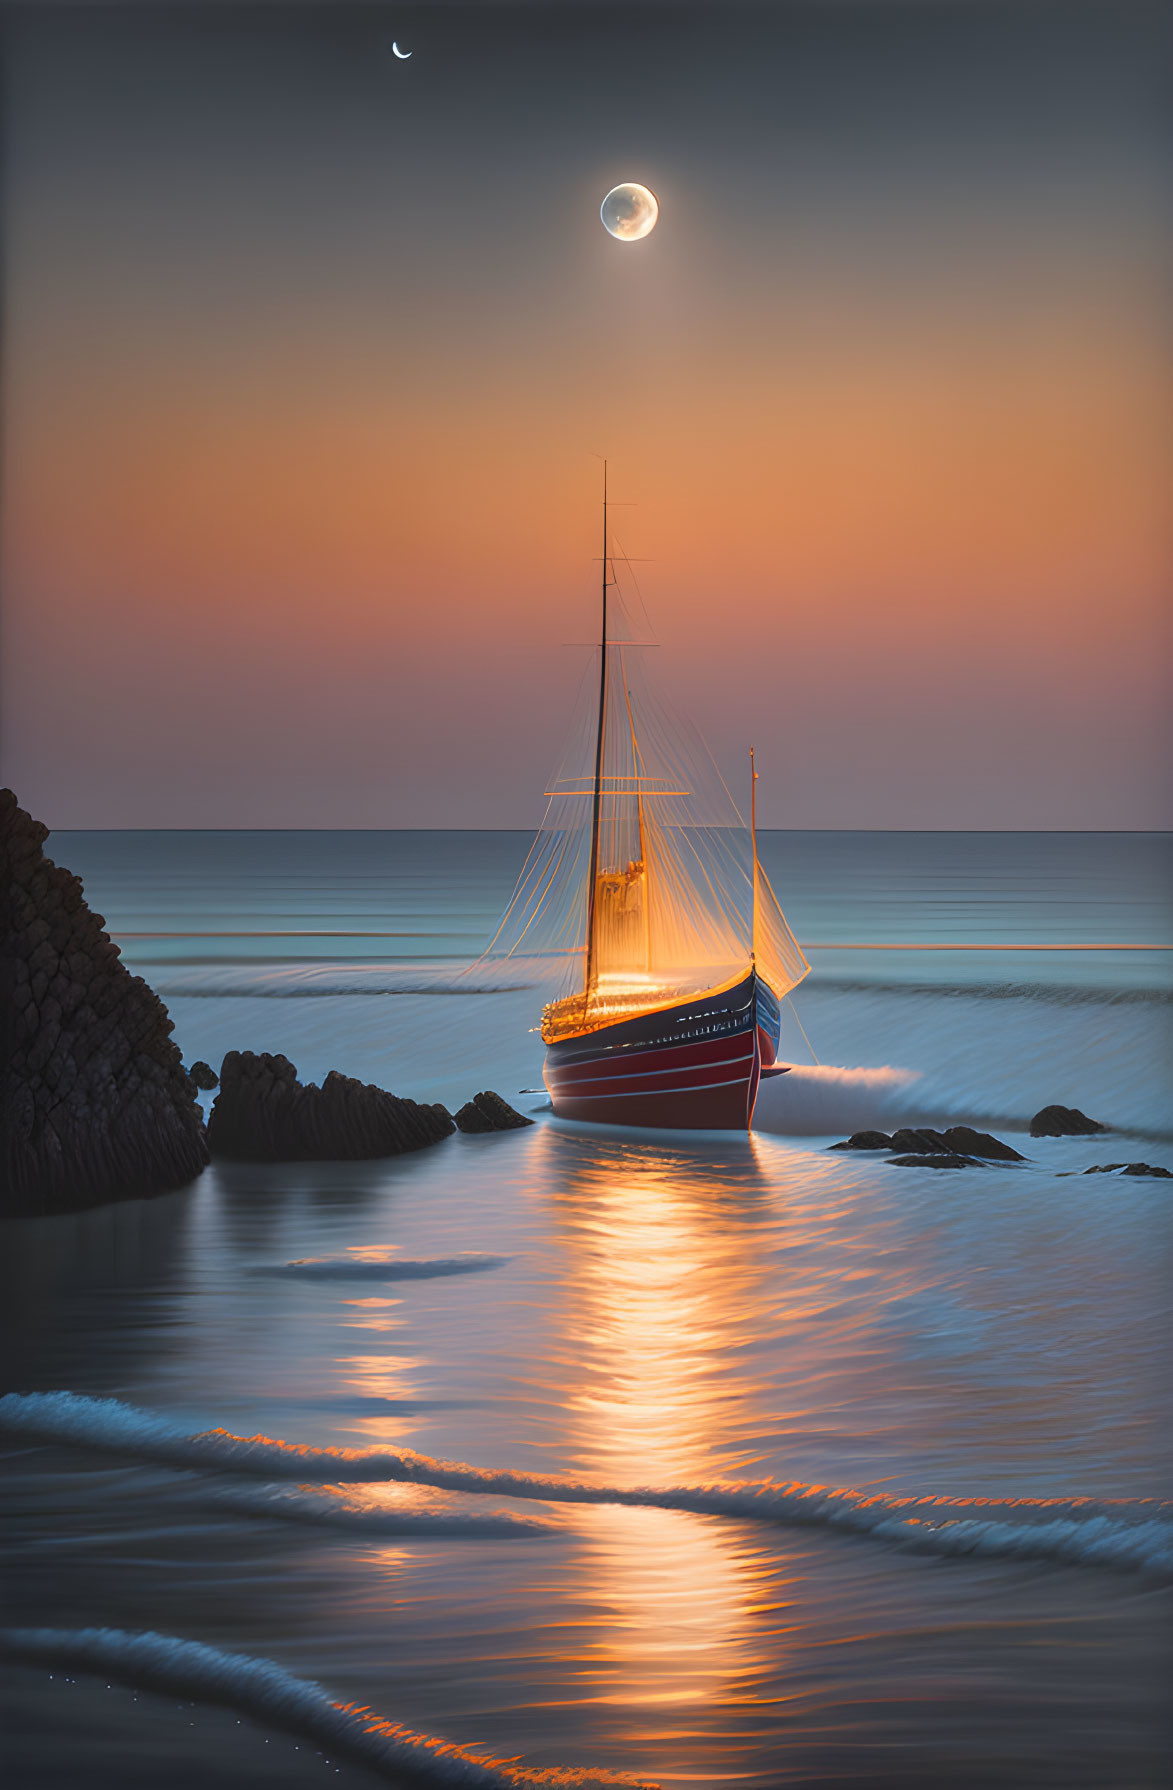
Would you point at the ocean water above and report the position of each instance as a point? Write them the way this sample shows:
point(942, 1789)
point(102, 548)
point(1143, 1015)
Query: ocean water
point(705, 1459)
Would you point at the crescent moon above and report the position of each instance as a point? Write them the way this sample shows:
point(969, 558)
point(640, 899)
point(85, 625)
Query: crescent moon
point(403, 55)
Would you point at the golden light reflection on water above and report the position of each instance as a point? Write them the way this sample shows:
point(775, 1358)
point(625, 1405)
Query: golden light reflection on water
point(661, 1296)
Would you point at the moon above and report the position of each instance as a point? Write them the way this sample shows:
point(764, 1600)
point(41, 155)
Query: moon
point(630, 211)
point(403, 55)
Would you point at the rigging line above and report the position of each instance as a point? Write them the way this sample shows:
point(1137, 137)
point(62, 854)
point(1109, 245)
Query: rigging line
point(805, 1039)
point(516, 893)
point(639, 809)
point(721, 780)
point(785, 924)
point(639, 593)
point(541, 898)
point(721, 905)
point(594, 867)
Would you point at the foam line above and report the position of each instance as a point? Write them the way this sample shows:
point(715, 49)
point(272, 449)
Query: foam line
point(816, 1100)
point(1127, 1533)
point(352, 1268)
point(361, 1404)
point(186, 980)
point(329, 1511)
point(264, 1691)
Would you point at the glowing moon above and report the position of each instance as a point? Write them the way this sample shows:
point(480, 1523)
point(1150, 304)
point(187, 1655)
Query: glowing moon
point(403, 55)
point(630, 211)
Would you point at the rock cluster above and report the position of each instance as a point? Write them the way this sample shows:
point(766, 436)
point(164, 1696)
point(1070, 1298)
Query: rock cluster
point(1129, 1168)
point(95, 1104)
point(204, 1076)
point(933, 1159)
point(488, 1112)
point(262, 1113)
point(1064, 1121)
point(959, 1141)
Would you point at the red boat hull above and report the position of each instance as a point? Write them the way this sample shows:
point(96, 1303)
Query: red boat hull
point(692, 1067)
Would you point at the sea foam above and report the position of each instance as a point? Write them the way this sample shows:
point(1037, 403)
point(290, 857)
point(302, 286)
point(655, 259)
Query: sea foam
point(1128, 1534)
point(816, 1100)
point(264, 1691)
point(360, 1268)
point(326, 1508)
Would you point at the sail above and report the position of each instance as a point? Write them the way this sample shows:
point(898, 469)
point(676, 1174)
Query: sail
point(641, 888)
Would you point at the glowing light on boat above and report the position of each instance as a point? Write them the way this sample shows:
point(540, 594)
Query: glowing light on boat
point(643, 894)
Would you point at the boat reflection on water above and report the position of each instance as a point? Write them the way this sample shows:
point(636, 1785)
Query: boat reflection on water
point(661, 1299)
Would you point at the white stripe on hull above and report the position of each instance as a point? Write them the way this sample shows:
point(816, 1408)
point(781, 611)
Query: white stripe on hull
point(615, 1073)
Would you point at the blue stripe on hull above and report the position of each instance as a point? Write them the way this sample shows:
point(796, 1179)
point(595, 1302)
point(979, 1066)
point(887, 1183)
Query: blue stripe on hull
point(624, 1074)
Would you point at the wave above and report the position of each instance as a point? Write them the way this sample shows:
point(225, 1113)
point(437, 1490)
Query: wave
point(1130, 1534)
point(350, 1268)
point(220, 980)
point(1063, 994)
point(368, 1404)
point(815, 1100)
point(289, 982)
point(265, 1692)
point(329, 1510)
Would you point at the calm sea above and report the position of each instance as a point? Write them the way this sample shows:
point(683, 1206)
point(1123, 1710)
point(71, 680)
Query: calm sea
point(950, 1386)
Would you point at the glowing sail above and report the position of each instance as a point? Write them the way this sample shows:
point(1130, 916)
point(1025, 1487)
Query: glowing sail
point(642, 888)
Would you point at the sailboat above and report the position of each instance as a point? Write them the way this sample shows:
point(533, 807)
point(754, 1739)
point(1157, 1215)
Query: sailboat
point(644, 898)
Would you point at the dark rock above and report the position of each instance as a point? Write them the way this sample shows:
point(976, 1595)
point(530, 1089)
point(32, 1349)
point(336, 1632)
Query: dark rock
point(1064, 1121)
point(936, 1159)
point(865, 1140)
point(921, 1143)
point(262, 1113)
point(1129, 1168)
point(488, 1112)
point(204, 1076)
point(95, 1103)
point(968, 1142)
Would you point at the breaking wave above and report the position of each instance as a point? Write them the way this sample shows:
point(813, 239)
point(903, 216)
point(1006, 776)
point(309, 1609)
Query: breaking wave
point(816, 1100)
point(264, 1691)
point(328, 1510)
point(1130, 1534)
point(353, 1268)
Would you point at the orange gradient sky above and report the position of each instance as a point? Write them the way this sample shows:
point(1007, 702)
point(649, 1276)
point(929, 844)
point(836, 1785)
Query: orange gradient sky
point(306, 364)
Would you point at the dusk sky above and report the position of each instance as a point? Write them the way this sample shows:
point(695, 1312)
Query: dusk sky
point(308, 353)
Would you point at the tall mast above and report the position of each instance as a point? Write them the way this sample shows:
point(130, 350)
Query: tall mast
point(598, 802)
point(753, 838)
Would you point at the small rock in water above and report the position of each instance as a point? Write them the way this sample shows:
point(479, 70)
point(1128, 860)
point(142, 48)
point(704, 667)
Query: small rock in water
point(959, 1140)
point(922, 1143)
point(1129, 1168)
point(937, 1159)
point(204, 1076)
point(1064, 1121)
point(488, 1112)
point(966, 1141)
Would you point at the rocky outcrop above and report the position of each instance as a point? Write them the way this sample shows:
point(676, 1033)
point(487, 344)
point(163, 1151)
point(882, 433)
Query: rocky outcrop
point(934, 1159)
point(262, 1113)
point(958, 1140)
point(204, 1076)
point(488, 1112)
point(1129, 1168)
point(919, 1143)
point(95, 1104)
point(1064, 1121)
point(967, 1142)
